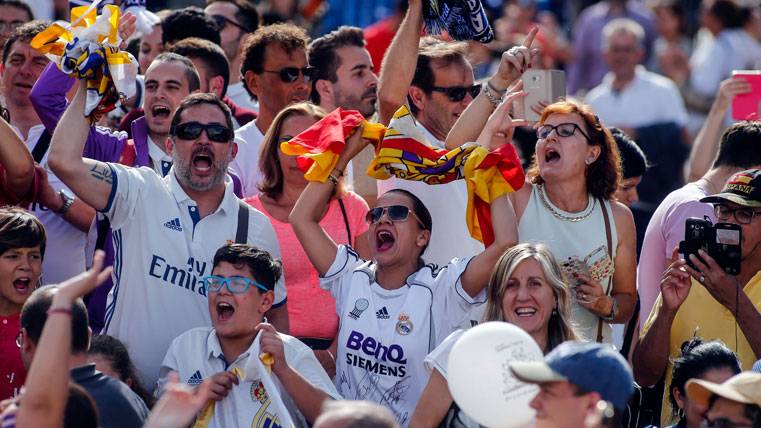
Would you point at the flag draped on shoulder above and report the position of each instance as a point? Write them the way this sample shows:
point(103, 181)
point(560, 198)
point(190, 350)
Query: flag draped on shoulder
point(402, 151)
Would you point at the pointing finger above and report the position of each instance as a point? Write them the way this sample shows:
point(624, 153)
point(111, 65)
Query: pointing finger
point(530, 37)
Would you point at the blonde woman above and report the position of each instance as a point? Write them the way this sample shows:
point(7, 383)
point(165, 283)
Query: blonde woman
point(526, 288)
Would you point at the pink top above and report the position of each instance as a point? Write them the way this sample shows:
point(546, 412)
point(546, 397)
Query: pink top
point(312, 310)
point(664, 232)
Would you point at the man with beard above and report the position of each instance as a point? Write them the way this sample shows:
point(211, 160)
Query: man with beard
point(345, 78)
point(166, 230)
point(274, 69)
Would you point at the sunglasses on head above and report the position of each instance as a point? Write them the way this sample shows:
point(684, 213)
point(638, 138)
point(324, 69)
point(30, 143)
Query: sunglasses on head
point(562, 130)
point(235, 284)
point(192, 130)
point(394, 213)
point(457, 93)
point(291, 74)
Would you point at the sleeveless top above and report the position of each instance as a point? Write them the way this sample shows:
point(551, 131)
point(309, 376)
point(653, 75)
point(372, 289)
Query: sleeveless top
point(572, 243)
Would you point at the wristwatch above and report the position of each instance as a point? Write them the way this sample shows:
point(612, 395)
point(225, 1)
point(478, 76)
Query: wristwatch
point(68, 201)
point(613, 310)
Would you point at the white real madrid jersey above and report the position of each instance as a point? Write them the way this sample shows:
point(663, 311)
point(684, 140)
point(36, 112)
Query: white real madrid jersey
point(162, 251)
point(384, 335)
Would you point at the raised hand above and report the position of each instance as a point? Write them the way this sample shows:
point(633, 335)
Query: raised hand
point(179, 405)
point(721, 285)
point(515, 61)
point(500, 127)
point(729, 89)
point(675, 283)
point(127, 27)
point(73, 288)
point(271, 343)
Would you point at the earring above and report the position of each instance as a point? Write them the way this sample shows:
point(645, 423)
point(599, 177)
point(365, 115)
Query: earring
point(554, 311)
point(587, 161)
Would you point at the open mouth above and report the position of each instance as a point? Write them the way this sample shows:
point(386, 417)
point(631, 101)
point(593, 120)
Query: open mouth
point(384, 240)
point(161, 112)
point(525, 312)
point(225, 311)
point(22, 285)
point(202, 161)
point(551, 155)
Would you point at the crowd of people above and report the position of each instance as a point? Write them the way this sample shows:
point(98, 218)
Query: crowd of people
point(335, 299)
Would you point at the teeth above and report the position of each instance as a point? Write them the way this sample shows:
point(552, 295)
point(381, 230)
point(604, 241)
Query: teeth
point(525, 311)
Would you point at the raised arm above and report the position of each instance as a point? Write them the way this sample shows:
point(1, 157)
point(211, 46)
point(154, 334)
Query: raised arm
point(48, 96)
point(399, 63)
point(706, 144)
point(47, 384)
point(17, 162)
point(513, 64)
point(89, 179)
point(433, 404)
point(306, 214)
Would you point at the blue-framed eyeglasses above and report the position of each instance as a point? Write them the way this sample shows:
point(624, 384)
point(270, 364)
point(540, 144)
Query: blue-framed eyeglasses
point(235, 284)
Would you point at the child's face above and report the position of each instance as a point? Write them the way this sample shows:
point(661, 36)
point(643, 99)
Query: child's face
point(20, 269)
point(237, 315)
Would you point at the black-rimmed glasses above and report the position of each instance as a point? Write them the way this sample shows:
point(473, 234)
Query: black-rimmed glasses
point(742, 215)
point(562, 130)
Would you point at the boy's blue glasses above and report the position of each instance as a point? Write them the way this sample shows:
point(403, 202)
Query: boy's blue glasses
point(235, 284)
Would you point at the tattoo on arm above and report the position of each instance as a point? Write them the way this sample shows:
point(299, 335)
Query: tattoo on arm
point(102, 172)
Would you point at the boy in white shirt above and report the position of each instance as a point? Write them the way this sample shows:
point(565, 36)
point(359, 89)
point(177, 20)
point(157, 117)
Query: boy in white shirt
point(240, 291)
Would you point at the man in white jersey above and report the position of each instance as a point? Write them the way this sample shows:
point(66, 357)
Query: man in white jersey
point(240, 293)
point(165, 229)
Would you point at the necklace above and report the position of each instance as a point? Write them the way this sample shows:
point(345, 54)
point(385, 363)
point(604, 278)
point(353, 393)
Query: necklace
point(561, 216)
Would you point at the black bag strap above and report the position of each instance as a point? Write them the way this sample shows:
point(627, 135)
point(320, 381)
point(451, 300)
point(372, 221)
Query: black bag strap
point(42, 146)
point(241, 235)
point(609, 239)
point(346, 220)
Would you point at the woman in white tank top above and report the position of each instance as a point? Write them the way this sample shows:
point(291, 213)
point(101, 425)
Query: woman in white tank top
point(566, 204)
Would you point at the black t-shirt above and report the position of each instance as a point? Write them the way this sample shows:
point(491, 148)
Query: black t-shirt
point(117, 405)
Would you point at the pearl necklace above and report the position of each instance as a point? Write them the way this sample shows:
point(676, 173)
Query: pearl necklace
point(543, 197)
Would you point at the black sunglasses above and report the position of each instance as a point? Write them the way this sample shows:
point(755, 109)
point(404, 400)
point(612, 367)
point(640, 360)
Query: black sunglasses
point(562, 130)
point(457, 93)
point(291, 74)
point(192, 130)
point(394, 213)
point(221, 21)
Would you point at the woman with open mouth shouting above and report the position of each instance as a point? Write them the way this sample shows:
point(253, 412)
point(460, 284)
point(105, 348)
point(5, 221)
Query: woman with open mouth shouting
point(395, 309)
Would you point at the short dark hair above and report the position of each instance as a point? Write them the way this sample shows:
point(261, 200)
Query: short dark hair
point(189, 22)
point(260, 263)
point(633, 160)
point(20, 229)
point(197, 99)
point(34, 313)
point(212, 56)
point(697, 357)
point(739, 147)
point(288, 36)
point(434, 53)
point(116, 353)
point(81, 410)
point(191, 74)
point(729, 13)
point(20, 5)
point(24, 33)
point(247, 15)
point(322, 54)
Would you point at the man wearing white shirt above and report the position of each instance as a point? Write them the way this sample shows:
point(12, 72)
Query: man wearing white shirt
point(274, 69)
point(243, 392)
point(166, 230)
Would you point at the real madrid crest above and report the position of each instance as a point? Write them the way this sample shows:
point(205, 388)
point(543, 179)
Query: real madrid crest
point(403, 324)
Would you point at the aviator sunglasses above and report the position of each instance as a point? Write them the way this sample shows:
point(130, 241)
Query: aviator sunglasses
point(192, 130)
point(562, 130)
point(235, 284)
point(291, 74)
point(394, 213)
point(457, 93)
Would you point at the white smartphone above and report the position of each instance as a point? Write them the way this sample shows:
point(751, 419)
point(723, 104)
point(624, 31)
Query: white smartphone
point(541, 86)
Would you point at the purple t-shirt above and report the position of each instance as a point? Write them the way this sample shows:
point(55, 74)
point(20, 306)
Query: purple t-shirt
point(664, 232)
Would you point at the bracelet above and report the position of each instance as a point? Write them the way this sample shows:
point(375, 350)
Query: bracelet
point(333, 179)
point(66, 311)
point(613, 310)
point(496, 91)
point(340, 173)
point(494, 100)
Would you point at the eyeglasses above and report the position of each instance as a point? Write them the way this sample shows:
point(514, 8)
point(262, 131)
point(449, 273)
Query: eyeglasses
point(235, 284)
point(742, 215)
point(192, 130)
point(9, 26)
point(394, 213)
point(723, 423)
point(457, 93)
point(291, 74)
point(222, 20)
point(562, 130)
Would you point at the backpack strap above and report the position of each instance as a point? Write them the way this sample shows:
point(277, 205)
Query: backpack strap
point(346, 220)
point(241, 234)
point(42, 146)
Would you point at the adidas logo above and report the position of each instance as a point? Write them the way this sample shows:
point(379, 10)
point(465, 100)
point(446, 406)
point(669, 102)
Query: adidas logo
point(382, 313)
point(196, 379)
point(174, 225)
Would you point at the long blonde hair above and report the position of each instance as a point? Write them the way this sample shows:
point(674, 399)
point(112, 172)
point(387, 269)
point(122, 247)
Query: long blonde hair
point(560, 327)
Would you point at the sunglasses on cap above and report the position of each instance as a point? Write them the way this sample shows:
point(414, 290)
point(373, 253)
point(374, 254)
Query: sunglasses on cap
point(235, 284)
point(562, 130)
point(394, 213)
point(457, 93)
point(192, 130)
point(291, 74)
point(221, 21)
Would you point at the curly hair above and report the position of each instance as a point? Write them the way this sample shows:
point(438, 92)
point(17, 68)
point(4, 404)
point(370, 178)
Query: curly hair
point(288, 36)
point(604, 174)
